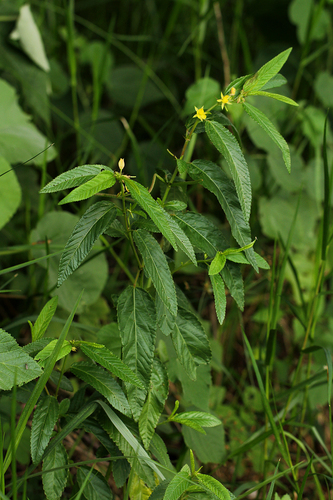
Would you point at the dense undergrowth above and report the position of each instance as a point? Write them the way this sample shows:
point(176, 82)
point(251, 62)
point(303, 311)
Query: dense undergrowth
point(230, 363)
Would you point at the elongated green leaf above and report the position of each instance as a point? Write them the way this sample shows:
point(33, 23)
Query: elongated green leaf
point(266, 72)
point(214, 486)
point(196, 419)
point(202, 233)
point(232, 277)
point(178, 484)
point(103, 180)
point(217, 264)
point(157, 268)
point(45, 353)
point(165, 320)
point(219, 297)
point(182, 240)
point(153, 407)
point(237, 83)
point(44, 319)
point(277, 81)
point(43, 422)
point(15, 365)
point(54, 482)
point(137, 325)
point(73, 178)
point(216, 181)
point(261, 119)
point(89, 228)
point(104, 383)
point(96, 487)
point(228, 146)
point(159, 450)
point(104, 357)
point(190, 342)
point(277, 97)
point(239, 258)
point(153, 209)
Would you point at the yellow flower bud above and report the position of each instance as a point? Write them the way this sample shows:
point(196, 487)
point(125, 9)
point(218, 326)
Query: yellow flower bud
point(121, 164)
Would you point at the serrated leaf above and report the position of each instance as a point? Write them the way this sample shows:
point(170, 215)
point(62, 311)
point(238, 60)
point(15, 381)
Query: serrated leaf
point(54, 482)
point(92, 224)
point(190, 342)
point(202, 232)
point(214, 486)
point(96, 487)
point(179, 484)
point(45, 353)
point(138, 490)
point(228, 146)
point(101, 181)
point(137, 325)
point(104, 357)
point(44, 319)
point(216, 181)
point(232, 277)
point(219, 297)
point(196, 420)
point(157, 268)
point(261, 119)
point(43, 422)
point(15, 365)
point(165, 320)
point(182, 240)
point(153, 407)
point(104, 383)
point(153, 209)
point(266, 72)
point(278, 97)
point(159, 450)
point(217, 264)
point(73, 178)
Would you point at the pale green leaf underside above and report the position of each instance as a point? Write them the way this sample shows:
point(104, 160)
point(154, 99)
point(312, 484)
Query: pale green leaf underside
point(44, 319)
point(137, 325)
point(104, 357)
point(219, 297)
point(266, 72)
point(217, 264)
point(15, 365)
point(261, 119)
point(278, 97)
point(103, 180)
point(157, 268)
point(104, 383)
point(89, 228)
point(73, 178)
point(43, 422)
point(45, 353)
point(228, 146)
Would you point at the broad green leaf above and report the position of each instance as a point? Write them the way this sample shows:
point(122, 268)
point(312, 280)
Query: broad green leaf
point(202, 232)
point(239, 258)
point(196, 419)
point(203, 92)
point(101, 181)
point(15, 365)
point(277, 81)
point(216, 181)
point(190, 342)
point(165, 320)
point(138, 490)
point(182, 240)
point(178, 484)
point(209, 447)
point(278, 97)
point(104, 357)
point(157, 268)
point(228, 146)
point(137, 325)
point(261, 119)
point(219, 297)
point(74, 177)
point(217, 264)
point(214, 486)
point(153, 209)
point(45, 353)
point(54, 482)
point(104, 383)
point(19, 139)
point(44, 319)
point(10, 192)
point(153, 407)
point(232, 277)
point(266, 72)
point(43, 422)
point(159, 450)
point(96, 487)
point(92, 224)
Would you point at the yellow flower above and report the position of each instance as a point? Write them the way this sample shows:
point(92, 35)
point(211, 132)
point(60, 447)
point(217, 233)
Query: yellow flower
point(200, 113)
point(232, 91)
point(121, 164)
point(224, 100)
